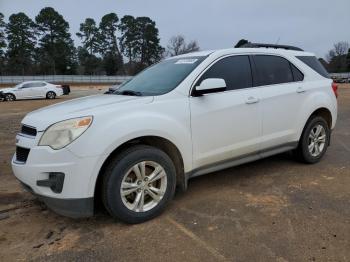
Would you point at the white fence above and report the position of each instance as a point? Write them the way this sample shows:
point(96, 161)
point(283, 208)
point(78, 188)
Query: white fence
point(70, 79)
point(340, 75)
point(64, 79)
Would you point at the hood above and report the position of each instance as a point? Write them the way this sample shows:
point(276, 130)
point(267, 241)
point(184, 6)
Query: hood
point(85, 106)
point(4, 90)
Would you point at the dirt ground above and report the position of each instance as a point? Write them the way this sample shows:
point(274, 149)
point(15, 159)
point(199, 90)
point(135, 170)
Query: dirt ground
point(275, 209)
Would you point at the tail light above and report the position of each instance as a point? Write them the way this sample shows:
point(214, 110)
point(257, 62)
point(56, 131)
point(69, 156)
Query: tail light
point(335, 89)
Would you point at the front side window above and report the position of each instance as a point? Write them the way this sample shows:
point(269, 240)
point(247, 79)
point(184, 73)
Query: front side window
point(26, 85)
point(272, 70)
point(235, 70)
point(161, 78)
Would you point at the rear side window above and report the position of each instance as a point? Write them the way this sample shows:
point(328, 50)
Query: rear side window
point(36, 84)
point(316, 65)
point(272, 70)
point(297, 75)
point(235, 70)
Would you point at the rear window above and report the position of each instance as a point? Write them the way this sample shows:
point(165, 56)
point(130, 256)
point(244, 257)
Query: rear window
point(316, 65)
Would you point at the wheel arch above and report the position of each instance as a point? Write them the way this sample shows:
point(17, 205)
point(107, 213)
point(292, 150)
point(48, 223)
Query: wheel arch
point(322, 112)
point(156, 141)
point(11, 93)
point(50, 90)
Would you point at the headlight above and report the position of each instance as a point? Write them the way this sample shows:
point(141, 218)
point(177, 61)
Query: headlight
point(63, 133)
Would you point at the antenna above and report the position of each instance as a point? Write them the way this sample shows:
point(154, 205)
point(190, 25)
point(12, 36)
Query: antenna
point(278, 40)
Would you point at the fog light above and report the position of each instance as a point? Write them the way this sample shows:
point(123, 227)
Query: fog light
point(55, 182)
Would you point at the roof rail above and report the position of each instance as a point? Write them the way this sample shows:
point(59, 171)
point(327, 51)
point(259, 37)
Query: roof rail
point(257, 45)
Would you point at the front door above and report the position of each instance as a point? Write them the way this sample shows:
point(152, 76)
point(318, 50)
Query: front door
point(226, 125)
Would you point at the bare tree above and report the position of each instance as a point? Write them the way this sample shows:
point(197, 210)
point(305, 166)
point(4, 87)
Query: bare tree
point(177, 46)
point(337, 58)
point(341, 48)
point(330, 55)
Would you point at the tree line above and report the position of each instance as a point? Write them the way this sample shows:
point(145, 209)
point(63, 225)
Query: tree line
point(338, 58)
point(112, 46)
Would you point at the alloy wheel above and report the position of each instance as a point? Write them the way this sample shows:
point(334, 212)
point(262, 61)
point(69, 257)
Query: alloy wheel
point(51, 95)
point(317, 140)
point(143, 186)
point(9, 97)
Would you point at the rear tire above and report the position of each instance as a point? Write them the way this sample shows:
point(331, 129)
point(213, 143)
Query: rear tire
point(50, 95)
point(138, 184)
point(314, 141)
point(10, 97)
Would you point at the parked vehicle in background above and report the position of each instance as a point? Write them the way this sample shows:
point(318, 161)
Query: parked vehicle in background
point(341, 80)
point(2, 96)
point(32, 90)
point(66, 89)
point(186, 116)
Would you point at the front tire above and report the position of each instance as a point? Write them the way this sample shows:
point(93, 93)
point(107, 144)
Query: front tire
point(314, 140)
point(50, 95)
point(10, 97)
point(138, 184)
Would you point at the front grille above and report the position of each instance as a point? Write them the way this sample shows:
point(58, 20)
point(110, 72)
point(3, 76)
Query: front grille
point(22, 154)
point(27, 130)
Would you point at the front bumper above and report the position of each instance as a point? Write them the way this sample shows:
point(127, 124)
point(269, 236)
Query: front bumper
point(75, 197)
point(75, 208)
point(2, 96)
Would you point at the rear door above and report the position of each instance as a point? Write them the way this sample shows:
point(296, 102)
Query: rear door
point(226, 125)
point(39, 89)
point(281, 93)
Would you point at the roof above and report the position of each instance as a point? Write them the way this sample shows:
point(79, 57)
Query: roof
point(247, 50)
point(34, 81)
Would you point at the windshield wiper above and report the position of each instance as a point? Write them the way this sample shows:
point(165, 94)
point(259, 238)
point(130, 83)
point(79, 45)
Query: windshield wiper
point(128, 93)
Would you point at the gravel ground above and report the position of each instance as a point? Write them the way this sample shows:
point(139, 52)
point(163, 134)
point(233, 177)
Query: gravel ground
point(275, 209)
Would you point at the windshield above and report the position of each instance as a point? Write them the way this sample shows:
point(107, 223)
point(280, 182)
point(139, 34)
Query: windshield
point(160, 78)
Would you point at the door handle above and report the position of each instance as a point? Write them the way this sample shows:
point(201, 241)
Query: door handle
point(252, 100)
point(300, 90)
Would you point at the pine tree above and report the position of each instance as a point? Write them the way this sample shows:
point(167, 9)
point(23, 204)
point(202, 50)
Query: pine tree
point(140, 42)
point(56, 48)
point(89, 34)
point(2, 43)
point(21, 40)
point(112, 58)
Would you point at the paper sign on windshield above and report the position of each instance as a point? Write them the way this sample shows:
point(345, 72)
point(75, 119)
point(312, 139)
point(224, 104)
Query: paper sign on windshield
point(186, 61)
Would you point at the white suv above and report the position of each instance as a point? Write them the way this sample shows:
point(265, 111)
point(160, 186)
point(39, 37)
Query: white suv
point(32, 89)
point(183, 117)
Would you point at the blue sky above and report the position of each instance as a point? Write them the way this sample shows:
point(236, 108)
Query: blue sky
point(314, 25)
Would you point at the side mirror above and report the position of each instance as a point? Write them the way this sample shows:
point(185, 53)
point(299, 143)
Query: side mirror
point(210, 85)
